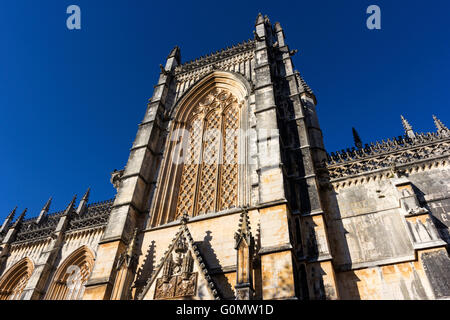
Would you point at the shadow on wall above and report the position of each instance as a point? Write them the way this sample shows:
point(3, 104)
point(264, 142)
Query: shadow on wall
point(145, 272)
point(207, 251)
point(348, 289)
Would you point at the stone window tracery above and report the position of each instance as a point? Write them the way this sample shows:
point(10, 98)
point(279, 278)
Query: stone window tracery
point(209, 181)
point(71, 277)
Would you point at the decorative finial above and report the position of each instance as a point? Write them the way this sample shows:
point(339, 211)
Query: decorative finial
point(439, 125)
point(175, 53)
point(71, 205)
point(184, 218)
point(259, 19)
point(8, 220)
point(408, 128)
point(86, 195)
point(278, 27)
point(357, 139)
point(47, 205)
point(44, 210)
point(244, 230)
point(12, 214)
point(20, 218)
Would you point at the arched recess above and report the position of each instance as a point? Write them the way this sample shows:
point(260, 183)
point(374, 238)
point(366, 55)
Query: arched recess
point(15, 280)
point(204, 166)
point(70, 278)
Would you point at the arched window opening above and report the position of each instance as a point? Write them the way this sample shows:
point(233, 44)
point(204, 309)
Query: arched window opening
point(15, 280)
point(204, 166)
point(71, 277)
point(209, 180)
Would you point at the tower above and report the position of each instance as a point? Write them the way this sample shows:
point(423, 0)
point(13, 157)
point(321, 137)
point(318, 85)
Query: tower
point(232, 130)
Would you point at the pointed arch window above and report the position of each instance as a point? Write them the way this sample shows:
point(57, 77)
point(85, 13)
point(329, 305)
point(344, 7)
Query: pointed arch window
point(15, 280)
point(209, 181)
point(71, 277)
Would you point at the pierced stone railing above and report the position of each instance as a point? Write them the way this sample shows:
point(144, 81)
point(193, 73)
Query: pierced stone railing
point(385, 154)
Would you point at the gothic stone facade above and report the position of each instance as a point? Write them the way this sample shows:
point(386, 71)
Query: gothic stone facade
point(272, 216)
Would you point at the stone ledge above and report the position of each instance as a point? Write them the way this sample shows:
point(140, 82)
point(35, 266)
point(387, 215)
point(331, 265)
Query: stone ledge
point(373, 264)
point(97, 282)
point(274, 249)
point(430, 245)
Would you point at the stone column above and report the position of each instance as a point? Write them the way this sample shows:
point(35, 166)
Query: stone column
point(276, 257)
point(311, 151)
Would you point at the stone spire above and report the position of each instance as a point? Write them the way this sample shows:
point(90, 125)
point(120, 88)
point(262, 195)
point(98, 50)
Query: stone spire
point(259, 19)
point(244, 244)
point(408, 128)
point(20, 218)
point(357, 139)
point(244, 230)
point(82, 206)
point(439, 125)
point(175, 53)
point(8, 220)
point(44, 211)
point(71, 206)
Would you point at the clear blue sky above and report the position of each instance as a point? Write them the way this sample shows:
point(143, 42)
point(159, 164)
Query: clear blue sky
point(71, 100)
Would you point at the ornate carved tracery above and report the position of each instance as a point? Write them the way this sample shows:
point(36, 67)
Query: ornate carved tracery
point(71, 277)
point(209, 180)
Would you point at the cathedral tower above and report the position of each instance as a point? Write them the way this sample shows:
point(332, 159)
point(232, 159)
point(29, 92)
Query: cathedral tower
point(232, 131)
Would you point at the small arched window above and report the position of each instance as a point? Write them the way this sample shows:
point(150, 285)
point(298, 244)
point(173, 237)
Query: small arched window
point(71, 277)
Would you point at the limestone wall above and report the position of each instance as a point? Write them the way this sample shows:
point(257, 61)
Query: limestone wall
point(374, 253)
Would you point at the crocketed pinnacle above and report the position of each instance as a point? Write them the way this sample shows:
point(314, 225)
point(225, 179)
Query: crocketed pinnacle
point(439, 125)
point(357, 139)
point(408, 128)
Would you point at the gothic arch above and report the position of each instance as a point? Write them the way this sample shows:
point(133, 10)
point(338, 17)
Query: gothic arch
point(71, 276)
point(15, 280)
point(208, 176)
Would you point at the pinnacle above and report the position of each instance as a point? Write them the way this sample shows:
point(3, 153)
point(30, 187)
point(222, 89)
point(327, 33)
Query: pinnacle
point(47, 204)
point(439, 125)
point(357, 139)
point(86, 195)
point(13, 213)
point(278, 27)
point(20, 218)
point(259, 19)
point(406, 124)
